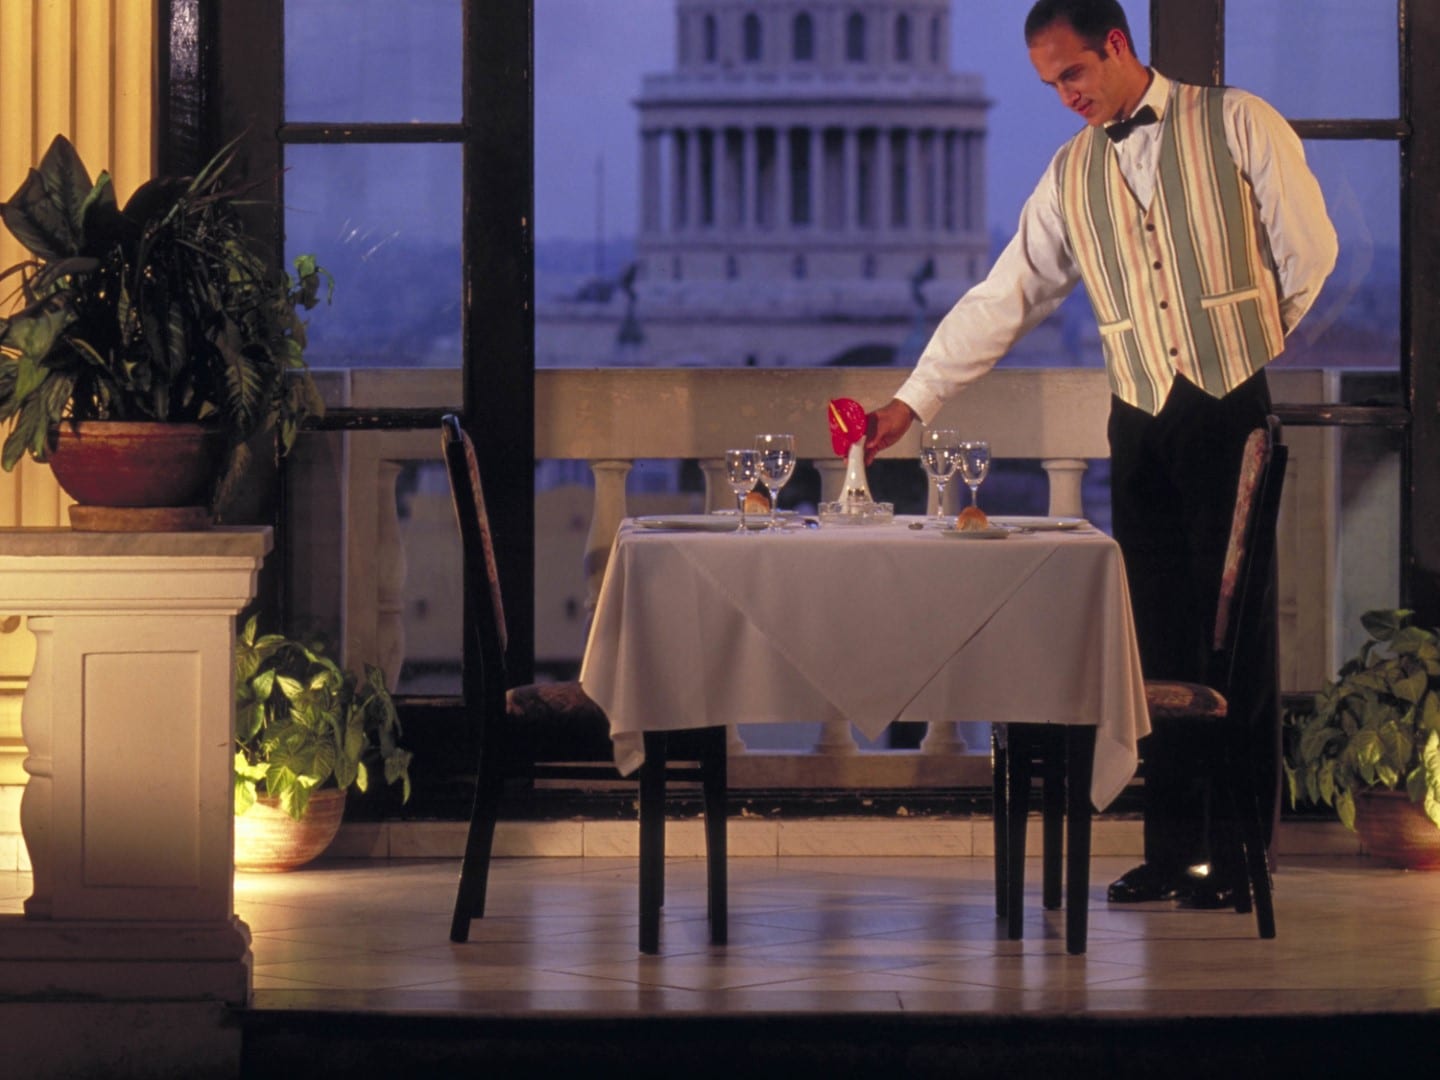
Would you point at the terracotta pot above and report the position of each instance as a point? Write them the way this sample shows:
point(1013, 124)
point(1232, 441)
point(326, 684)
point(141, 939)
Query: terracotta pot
point(269, 839)
point(157, 475)
point(1396, 830)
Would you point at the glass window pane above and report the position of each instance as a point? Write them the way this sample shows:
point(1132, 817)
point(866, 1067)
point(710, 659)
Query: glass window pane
point(677, 225)
point(385, 221)
point(373, 61)
point(1369, 514)
point(1343, 64)
point(433, 605)
point(1356, 321)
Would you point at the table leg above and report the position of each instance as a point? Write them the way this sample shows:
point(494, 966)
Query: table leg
point(714, 766)
point(1017, 781)
point(999, 796)
point(652, 840)
point(1079, 766)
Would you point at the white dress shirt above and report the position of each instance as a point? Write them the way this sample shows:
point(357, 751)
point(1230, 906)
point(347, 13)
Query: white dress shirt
point(1037, 269)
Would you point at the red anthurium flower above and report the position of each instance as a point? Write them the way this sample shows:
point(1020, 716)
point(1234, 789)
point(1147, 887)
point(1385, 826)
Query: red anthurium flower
point(847, 424)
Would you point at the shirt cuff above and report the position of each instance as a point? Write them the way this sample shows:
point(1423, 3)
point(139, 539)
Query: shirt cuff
point(922, 403)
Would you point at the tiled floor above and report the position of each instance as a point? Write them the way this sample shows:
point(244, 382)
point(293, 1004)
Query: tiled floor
point(832, 934)
point(864, 934)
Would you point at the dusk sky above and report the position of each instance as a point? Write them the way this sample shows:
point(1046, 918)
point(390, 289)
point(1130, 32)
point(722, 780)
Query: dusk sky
point(591, 56)
point(607, 46)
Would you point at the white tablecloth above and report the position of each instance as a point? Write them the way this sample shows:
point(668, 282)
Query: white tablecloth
point(868, 624)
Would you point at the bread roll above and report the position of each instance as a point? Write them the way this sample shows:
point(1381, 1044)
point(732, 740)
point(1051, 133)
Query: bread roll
point(972, 519)
point(757, 503)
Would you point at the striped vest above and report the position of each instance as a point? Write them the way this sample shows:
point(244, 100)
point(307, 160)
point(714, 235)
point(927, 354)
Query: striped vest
point(1187, 285)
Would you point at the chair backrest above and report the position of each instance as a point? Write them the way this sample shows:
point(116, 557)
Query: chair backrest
point(485, 610)
point(1250, 554)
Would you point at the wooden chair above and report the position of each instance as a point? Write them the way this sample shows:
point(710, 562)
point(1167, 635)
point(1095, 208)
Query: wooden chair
point(554, 730)
point(1062, 757)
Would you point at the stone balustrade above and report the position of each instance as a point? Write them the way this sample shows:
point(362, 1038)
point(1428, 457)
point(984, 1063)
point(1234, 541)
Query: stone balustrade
point(613, 417)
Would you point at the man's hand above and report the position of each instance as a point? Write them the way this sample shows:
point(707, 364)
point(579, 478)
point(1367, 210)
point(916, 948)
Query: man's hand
point(887, 424)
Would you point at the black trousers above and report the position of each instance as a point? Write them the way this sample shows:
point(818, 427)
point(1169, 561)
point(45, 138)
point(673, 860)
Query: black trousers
point(1173, 481)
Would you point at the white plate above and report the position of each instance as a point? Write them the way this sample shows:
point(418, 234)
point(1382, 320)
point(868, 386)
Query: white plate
point(976, 534)
point(696, 522)
point(1041, 524)
point(756, 513)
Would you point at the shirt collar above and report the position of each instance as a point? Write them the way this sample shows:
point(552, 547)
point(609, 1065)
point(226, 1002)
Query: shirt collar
point(1157, 96)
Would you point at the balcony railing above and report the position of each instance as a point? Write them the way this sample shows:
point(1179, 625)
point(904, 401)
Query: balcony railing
point(613, 417)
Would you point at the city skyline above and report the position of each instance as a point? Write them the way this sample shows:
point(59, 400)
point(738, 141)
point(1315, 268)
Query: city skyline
point(608, 48)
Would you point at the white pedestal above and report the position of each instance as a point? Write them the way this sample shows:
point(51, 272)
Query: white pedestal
point(128, 724)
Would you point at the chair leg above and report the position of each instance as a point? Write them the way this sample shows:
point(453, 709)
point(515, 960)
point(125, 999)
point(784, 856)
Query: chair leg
point(475, 866)
point(1053, 830)
point(652, 840)
point(1017, 783)
point(1000, 800)
point(714, 782)
point(1079, 767)
point(1256, 857)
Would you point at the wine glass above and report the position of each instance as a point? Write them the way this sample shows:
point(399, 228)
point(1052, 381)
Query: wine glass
point(777, 462)
point(974, 464)
point(939, 455)
point(742, 468)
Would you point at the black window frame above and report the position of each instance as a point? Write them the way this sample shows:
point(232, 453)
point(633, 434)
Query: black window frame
point(221, 75)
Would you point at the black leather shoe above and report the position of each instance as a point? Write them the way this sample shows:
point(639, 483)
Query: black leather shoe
point(1203, 894)
point(1143, 885)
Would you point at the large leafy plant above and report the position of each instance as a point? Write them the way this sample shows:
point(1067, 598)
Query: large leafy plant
point(161, 311)
point(1377, 725)
point(302, 723)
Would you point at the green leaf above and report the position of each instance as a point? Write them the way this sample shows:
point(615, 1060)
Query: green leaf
point(1429, 712)
point(45, 213)
point(291, 688)
point(245, 794)
point(1345, 807)
point(244, 768)
point(1382, 624)
point(1412, 686)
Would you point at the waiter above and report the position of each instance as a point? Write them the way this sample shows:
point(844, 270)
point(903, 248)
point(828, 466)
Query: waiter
point(1202, 239)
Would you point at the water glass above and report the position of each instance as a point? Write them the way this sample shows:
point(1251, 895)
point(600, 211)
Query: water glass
point(742, 469)
point(940, 456)
point(777, 463)
point(974, 465)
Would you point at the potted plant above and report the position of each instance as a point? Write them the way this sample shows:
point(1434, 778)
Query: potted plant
point(306, 732)
point(1372, 747)
point(162, 316)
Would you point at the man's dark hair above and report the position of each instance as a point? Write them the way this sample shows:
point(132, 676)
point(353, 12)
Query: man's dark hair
point(1092, 20)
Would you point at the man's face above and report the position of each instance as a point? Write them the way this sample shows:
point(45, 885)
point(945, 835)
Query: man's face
point(1088, 83)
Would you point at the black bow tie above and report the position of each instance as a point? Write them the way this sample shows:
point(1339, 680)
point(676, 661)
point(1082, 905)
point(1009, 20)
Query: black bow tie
point(1122, 128)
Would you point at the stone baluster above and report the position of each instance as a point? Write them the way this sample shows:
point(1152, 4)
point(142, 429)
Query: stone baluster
point(718, 495)
point(836, 740)
point(943, 737)
point(37, 814)
point(605, 520)
point(832, 477)
point(1065, 475)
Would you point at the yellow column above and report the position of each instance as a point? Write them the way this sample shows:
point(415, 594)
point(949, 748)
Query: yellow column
point(85, 69)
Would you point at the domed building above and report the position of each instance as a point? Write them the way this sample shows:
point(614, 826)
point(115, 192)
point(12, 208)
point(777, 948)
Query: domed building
point(811, 192)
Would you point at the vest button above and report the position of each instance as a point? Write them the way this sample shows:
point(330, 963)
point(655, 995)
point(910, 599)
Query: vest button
point(1174, 352)
point(1149, 228)
point(1156, 264)
point(1164, 305)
